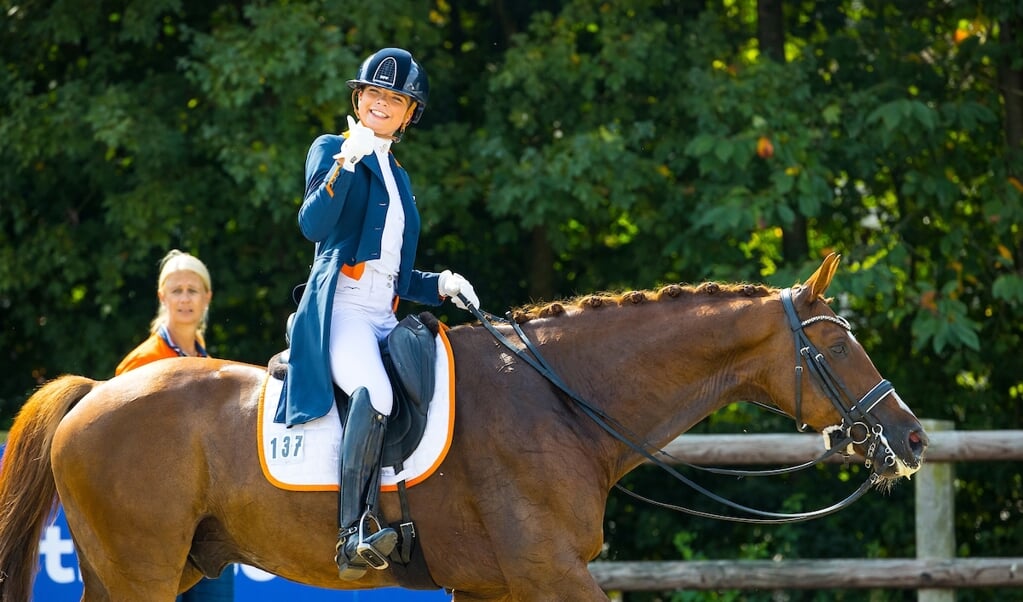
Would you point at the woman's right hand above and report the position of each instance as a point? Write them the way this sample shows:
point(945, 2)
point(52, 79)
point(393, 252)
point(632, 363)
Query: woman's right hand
point(360, 142)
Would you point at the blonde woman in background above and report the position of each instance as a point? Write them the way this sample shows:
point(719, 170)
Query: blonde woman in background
point(185, 292)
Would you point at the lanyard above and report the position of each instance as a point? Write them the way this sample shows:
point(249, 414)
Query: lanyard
point(165, 335)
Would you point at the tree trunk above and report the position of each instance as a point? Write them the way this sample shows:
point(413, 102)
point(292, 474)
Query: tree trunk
point(771, 36)
point(1010, 81)
point(541, 265)
point(771, 29)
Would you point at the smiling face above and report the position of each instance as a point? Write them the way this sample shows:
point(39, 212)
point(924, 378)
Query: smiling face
point(383, 111)
point(186, 298)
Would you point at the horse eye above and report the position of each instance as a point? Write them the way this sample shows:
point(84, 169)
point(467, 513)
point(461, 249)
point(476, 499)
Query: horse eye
point(839, 349)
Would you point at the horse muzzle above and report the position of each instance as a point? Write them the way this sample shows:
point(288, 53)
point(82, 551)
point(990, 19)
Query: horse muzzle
point(892, 455)
point(903, 456)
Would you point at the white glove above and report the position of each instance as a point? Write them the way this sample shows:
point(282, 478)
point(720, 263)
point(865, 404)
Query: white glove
point(451, 285)
point(360, 142)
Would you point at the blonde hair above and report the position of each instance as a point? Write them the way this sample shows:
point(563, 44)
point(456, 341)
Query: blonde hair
point(179, 261)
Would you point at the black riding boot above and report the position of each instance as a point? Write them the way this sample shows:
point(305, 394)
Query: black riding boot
point(357, 548)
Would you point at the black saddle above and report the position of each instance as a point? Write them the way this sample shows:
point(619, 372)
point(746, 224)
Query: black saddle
point(410, 357)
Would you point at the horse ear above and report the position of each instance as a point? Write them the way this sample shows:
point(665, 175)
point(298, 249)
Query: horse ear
point(818, 283)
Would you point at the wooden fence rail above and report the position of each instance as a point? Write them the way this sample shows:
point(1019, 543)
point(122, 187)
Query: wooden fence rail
point(934, 572)
point(794, 448)
point(889, 573)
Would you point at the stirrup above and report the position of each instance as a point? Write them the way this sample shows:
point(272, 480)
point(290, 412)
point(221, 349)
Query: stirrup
point(370, 551)
point(375, 548)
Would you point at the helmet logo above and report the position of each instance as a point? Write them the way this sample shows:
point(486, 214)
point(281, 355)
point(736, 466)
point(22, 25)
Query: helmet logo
point(386, 73)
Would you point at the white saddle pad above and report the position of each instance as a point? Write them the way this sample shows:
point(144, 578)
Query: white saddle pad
point(305, 457)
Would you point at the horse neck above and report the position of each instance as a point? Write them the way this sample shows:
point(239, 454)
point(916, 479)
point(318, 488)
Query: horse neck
point(659, 367)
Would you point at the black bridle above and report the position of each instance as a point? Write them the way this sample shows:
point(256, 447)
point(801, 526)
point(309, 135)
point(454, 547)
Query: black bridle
point(855, 415)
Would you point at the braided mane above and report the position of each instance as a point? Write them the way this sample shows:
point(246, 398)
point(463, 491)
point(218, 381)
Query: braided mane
point(666, 293)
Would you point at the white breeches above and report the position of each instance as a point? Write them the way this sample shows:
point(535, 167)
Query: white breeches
point(363, 315)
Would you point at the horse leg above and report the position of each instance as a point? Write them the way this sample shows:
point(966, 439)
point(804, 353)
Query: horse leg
point(587, 591)
point(133, 529)
point(567, 580)
point(572, 583)
point(93, 589)
point(105, 589)
point(191, 576)
point(543, 543)
point(119, 567)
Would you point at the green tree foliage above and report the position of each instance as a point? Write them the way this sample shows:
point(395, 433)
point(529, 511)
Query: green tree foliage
point(569, 146)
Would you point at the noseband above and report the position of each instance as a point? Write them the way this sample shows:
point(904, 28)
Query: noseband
point(856, 414)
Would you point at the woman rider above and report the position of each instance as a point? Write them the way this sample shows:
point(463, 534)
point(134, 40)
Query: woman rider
point(360, 212)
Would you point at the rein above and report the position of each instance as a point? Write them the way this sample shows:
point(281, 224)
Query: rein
point(853, 416)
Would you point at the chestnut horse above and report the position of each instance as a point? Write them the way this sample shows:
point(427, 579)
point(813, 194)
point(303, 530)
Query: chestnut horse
point(158, 473)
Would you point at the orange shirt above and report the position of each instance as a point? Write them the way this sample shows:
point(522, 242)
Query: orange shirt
point(156, 347)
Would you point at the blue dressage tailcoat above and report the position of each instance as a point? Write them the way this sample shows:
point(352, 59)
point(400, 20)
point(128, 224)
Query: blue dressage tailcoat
point(343, 213)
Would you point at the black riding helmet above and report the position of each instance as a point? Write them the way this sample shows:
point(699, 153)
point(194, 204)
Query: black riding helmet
point(395, 69)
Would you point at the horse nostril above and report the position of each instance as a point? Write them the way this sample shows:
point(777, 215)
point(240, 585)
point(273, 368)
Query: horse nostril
point(917, 442)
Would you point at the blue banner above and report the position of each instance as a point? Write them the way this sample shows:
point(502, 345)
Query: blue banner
point(59, 579)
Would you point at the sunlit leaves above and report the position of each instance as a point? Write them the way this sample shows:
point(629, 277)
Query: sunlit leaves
point(945, 323)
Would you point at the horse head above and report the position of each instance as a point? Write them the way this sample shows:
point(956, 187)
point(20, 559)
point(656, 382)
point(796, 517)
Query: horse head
point(838, 390)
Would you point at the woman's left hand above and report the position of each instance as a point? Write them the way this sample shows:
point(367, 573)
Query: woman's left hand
point(453, 285)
